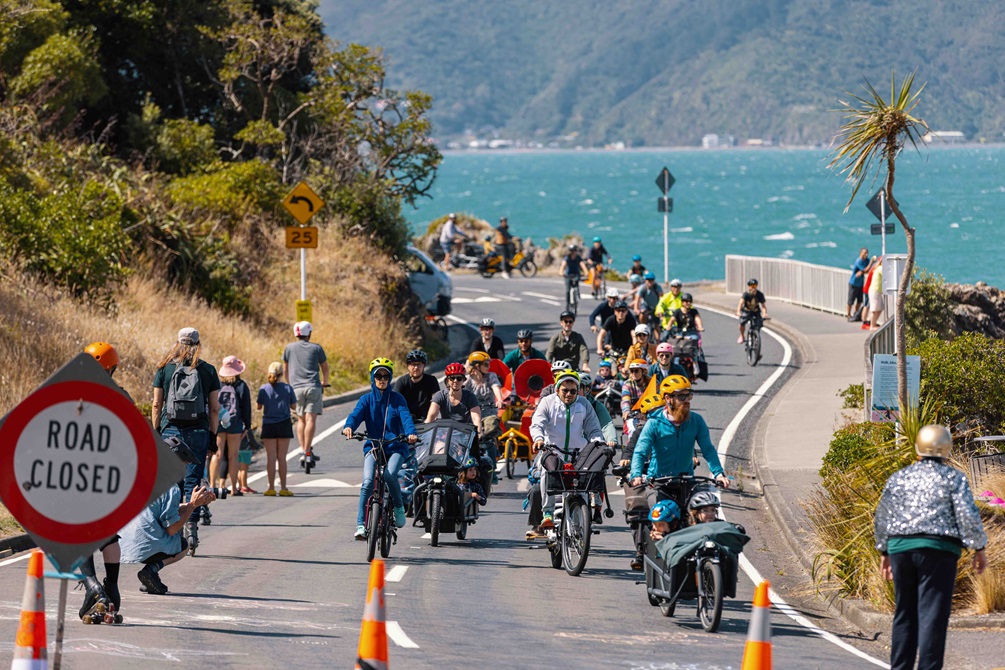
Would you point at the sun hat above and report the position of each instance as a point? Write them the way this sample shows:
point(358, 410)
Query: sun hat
point(232, 366)
point(188, 336)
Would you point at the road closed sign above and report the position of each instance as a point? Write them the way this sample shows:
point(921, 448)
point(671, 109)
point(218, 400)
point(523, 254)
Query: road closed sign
point(78, 461)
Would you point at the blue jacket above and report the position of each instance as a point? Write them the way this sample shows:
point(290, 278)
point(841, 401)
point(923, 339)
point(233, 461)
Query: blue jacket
point(385, 414)
point(671, 447)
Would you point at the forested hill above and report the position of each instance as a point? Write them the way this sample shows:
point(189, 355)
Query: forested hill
point(667, 72)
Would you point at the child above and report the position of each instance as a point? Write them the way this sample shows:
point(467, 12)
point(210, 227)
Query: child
point(665, 514)
point(278, 403)
point(703, 507)
point(469, 481)
point(235, 397)
point(605, 376)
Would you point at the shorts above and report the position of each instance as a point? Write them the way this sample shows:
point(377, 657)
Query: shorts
point(746, 317)
point(236, 427)
point(310, 400)
point(161, 556)
point(281, 429)
point(244, 456)
point(448, 248)
point(854, 294)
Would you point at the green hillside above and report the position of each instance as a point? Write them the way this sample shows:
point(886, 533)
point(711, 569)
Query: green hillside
point(667, 72)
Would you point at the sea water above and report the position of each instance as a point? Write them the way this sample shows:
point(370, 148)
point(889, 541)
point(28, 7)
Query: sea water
point(780, 203)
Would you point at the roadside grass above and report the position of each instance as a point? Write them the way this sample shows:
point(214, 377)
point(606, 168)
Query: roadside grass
point(8, 526)
point(988, 589)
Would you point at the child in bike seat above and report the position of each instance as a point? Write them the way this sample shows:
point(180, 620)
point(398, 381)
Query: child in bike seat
point(703, 506)
point(665, 515)
point(468, 480)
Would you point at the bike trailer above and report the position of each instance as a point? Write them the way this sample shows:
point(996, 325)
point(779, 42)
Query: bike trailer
point(443, 446)
point(678, 545)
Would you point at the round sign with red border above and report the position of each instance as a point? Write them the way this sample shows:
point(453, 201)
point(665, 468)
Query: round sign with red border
point(79, 462)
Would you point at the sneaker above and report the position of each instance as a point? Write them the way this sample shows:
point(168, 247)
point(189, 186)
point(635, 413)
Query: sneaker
point(360, 532)
point(286, 493)
point(597, 518)
point(151, 581)
point(636, 563)
point(269, 492)
point(739, 340)
point(547, 522)
point(533, 534)
point(399, 517)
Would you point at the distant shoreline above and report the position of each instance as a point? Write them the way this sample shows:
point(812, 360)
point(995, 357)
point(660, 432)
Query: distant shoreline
point(788, 147)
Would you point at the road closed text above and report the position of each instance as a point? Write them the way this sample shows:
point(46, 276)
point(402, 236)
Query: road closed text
point(69, 463)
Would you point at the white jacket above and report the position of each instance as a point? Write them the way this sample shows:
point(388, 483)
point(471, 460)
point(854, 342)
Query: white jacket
point(568, 427)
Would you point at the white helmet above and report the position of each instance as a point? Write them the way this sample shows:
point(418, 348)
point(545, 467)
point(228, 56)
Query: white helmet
point(612, 293)
point(302, 329)
point(642, 329)
point(558, 366)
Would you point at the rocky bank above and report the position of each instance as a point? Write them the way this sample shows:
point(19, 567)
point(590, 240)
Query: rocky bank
point(978, 308)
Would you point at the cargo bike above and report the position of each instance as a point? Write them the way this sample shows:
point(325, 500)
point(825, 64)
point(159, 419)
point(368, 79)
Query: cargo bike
point(441, 506)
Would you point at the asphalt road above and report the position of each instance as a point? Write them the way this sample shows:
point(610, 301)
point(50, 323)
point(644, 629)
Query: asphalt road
point(280, 582)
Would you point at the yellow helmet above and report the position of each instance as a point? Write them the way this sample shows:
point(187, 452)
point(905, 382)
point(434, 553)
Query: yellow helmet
point(382, 363)
point(104, 353)
point(479, 357)
point(934, 441)
point(566, 375)
point(674, 383)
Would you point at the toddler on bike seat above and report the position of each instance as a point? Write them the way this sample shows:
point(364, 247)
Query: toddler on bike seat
point(703, 507)
point(665, 514)
point(469, 481)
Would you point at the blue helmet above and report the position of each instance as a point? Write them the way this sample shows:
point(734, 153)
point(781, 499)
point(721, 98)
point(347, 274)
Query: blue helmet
point(636, 258)
point(649, 275)
point(605, 363)
point(665, 510)
point(596, 239)
point(469, 463)
point(635, 279)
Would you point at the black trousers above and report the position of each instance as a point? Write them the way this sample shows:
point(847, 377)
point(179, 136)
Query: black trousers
point(923, 582)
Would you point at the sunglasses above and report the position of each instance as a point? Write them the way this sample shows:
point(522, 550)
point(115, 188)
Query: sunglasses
point(637, 370)
point(686, 302)
point(683, 397)
point(664, 353)
point(568, 322)
point(458, 378)
point(641, 334)
point(566, 391)
point(621, 309)
point(382, 378)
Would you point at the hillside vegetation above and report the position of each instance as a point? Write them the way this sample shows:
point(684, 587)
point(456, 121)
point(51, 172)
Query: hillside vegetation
point(665, 73)
point(145, 147)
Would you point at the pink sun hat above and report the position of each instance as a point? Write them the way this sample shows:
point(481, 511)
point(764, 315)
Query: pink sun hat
point(232, 367)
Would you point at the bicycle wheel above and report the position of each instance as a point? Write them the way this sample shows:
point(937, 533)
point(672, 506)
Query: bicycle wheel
point(386, 531)
point(574, 299)
point(667, 607)
point(510, 458)
point(576, 535)
point(753, 346)
point(528, 268)
point(710, 597)
point(435, 515)
point(308, 464)
point(373, 530)
point(462, 530)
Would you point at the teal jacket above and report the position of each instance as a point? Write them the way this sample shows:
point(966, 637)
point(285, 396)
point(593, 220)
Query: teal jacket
point(514, 358)
point(670, 448)
point(606, 422)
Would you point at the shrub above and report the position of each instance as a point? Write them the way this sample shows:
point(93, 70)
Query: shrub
point(183, 146)
point(230, 190)
point(853, 396)
point(853, 444)
point(927, 308)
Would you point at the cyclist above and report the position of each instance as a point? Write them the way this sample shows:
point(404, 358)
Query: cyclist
point(631, 390)
point(619, 327)
point(504, 245)
point(669, 436)
point(647, 298)
point(456, 402)
point(605, 375)
point(557, 367)
point(565, 420)
point(449, 235)
point(669, 303)
point(488, 389)
point(751, 308)
point(524, 350)
point(417, 387)
point(386, 415)
point(665, 364)
point(573, 268)
point(643, 347)
point(603, 416)
point(686, 321)
point(489, 342)
point(605, 310)
point(568, 345)
point(637, 267)
point(595, 261)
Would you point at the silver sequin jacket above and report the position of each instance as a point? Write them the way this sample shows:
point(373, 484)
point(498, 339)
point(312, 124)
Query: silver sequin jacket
point(929, 498)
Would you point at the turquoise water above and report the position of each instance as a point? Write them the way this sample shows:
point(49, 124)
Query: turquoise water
point(764, 202)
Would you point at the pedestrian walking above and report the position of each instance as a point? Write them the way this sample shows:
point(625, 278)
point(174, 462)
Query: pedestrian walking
point(925, 518)
point(277, 402)
point(235, 401)
point(305, 365)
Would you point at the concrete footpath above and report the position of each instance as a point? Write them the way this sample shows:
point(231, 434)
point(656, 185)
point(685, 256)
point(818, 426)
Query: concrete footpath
point(793, 435)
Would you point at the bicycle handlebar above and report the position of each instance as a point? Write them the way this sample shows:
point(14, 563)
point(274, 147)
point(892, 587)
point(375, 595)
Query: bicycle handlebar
point(363, 437)
point(681, 478)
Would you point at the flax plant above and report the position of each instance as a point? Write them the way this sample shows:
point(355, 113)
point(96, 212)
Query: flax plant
point(873, 133)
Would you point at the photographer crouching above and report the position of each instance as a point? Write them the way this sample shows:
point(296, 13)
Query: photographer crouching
point(154, 536)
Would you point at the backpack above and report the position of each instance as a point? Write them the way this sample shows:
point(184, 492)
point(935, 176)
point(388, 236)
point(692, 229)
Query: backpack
point(228, 401)
point(186, 402)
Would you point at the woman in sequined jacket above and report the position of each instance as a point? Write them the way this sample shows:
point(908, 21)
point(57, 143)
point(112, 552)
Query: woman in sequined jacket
point(925, 518)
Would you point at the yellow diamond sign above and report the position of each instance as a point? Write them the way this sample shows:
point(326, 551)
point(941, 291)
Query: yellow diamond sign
point(303, 203)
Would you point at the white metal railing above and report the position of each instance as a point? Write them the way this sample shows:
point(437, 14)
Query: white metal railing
point(815, 286)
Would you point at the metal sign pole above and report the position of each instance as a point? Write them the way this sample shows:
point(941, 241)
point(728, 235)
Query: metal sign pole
point(303, 273)
point(666, 242)
point(882, 217)
point(57, 650)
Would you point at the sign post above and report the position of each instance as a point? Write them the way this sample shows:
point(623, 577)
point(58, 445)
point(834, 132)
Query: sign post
point(78, 462)
point(302, 203)
point(665, 182)
point(877, 205)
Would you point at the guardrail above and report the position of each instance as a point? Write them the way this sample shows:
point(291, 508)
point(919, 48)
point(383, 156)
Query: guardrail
point(815, 286)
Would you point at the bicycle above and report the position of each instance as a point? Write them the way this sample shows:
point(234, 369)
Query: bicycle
point(572, 294)
point(379, 512)
point(752, 342)
point(597, 280)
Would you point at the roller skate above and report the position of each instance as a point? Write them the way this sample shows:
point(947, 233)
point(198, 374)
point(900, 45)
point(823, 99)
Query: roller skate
point(207, 517)
point(114, 599)
point(192, 536)
point(95, 601)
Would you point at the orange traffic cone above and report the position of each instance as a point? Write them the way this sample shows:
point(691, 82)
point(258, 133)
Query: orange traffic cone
point(757, 652)
point(372, 652)
point(30, 645)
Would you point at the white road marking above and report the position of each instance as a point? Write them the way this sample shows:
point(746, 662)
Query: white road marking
point(486, 298)
point(461, 301)
point(553, 303)
point(23, 556)
point(398, 636)
point(538, 295)
point(426, 536)
point(473, 290)
point(327, 484)
point(396, 573)
point(451, 317)
point(752, 572)
point(296, 452)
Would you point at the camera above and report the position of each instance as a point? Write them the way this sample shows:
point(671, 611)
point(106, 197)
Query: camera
point(220, 492)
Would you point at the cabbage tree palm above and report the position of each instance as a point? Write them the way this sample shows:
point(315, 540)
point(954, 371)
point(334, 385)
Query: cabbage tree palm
point(873, 134)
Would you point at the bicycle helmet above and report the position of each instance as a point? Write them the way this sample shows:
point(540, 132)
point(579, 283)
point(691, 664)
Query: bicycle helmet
point(638, 364)
point(636, 258)
point(573, 247)
point(487, 323)
point(488, 237)
point(455, 370)
point(479, 357)
point(606, 363)
point(612, 293)
point(703, 498)
point(751, 282)
point(302, 329)
point(566, 315)
point(596, 239)
point(103, 353)
point(686, 297)
point(558, 366)
point(469, 463)
point(525, 334)
point(664, 348)
point(676, 282)
point(674, 383)
point(416, 356)
point(621, 304)
point(649, 275)
point(385, 363)
point(566, 375)
point(934, 441)
point(585, 379)
point(641, 329)
point(634, 279)
point(665, 510)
